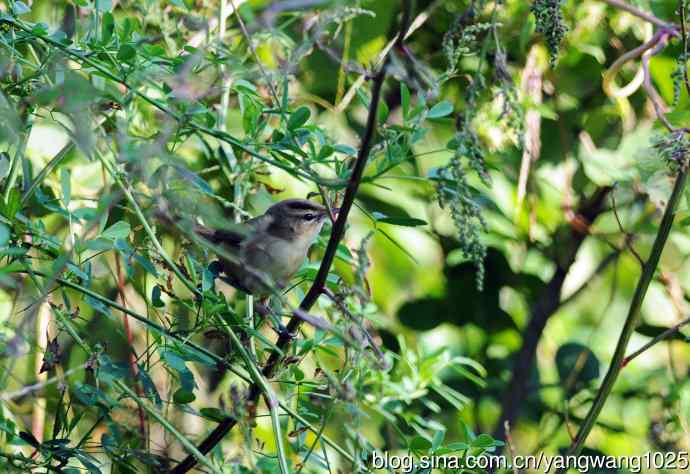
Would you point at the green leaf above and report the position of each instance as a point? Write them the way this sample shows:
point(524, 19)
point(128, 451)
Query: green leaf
point(298, 118)
point(156, 297)
point(214, 414)
point(383, 112)
point(401, 221)
point(458, 446)
point(148, 385)
point(182, 396)
point(241, 85)
point(605, 166)
point(119, 230)
point(66, 187)
point(176, 363)
point(439, 110)
point(419, 444)
point(107, 27)
point(14, 203)
point(438, 439)
point(325, 152)
point(126, 53)
point(485, 441)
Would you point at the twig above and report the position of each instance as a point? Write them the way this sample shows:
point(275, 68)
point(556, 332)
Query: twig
point(633, 315)
point(15, 165)
point(608, 80)
point(628, 237)
point(343, 309)
point(657, 101)
point(669, 332)
point(317, 286)
point(38, 385)
point(511, 445)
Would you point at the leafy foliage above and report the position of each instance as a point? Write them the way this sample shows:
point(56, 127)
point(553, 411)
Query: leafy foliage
point(121, 347)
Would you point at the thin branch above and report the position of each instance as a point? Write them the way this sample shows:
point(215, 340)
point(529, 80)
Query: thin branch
point(657, 101)
point(39, 385)
point(337, 233)
point(15, 164)
point(628, 236)
point(664, 335)
point(343, 309)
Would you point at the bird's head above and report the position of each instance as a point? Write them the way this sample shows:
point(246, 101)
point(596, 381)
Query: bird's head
point(297, 219)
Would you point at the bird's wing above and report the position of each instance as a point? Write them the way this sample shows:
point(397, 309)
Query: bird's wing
point(234, 237)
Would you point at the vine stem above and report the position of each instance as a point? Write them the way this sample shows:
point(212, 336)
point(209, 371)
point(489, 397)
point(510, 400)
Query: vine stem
point(617, 363)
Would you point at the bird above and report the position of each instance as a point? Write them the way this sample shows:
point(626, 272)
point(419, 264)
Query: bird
point(269, 249)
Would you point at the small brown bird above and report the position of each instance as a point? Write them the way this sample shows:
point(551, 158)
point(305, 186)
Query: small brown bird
point(273, 247)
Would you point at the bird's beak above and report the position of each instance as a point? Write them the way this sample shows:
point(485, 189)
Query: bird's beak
point(334, 212)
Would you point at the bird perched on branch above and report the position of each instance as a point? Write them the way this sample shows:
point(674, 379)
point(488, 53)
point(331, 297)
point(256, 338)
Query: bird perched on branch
point(264, 252)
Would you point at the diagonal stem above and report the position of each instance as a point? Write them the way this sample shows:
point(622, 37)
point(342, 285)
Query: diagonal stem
point(633, 315)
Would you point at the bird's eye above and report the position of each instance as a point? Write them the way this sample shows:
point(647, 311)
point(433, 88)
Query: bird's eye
point(309, 217)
